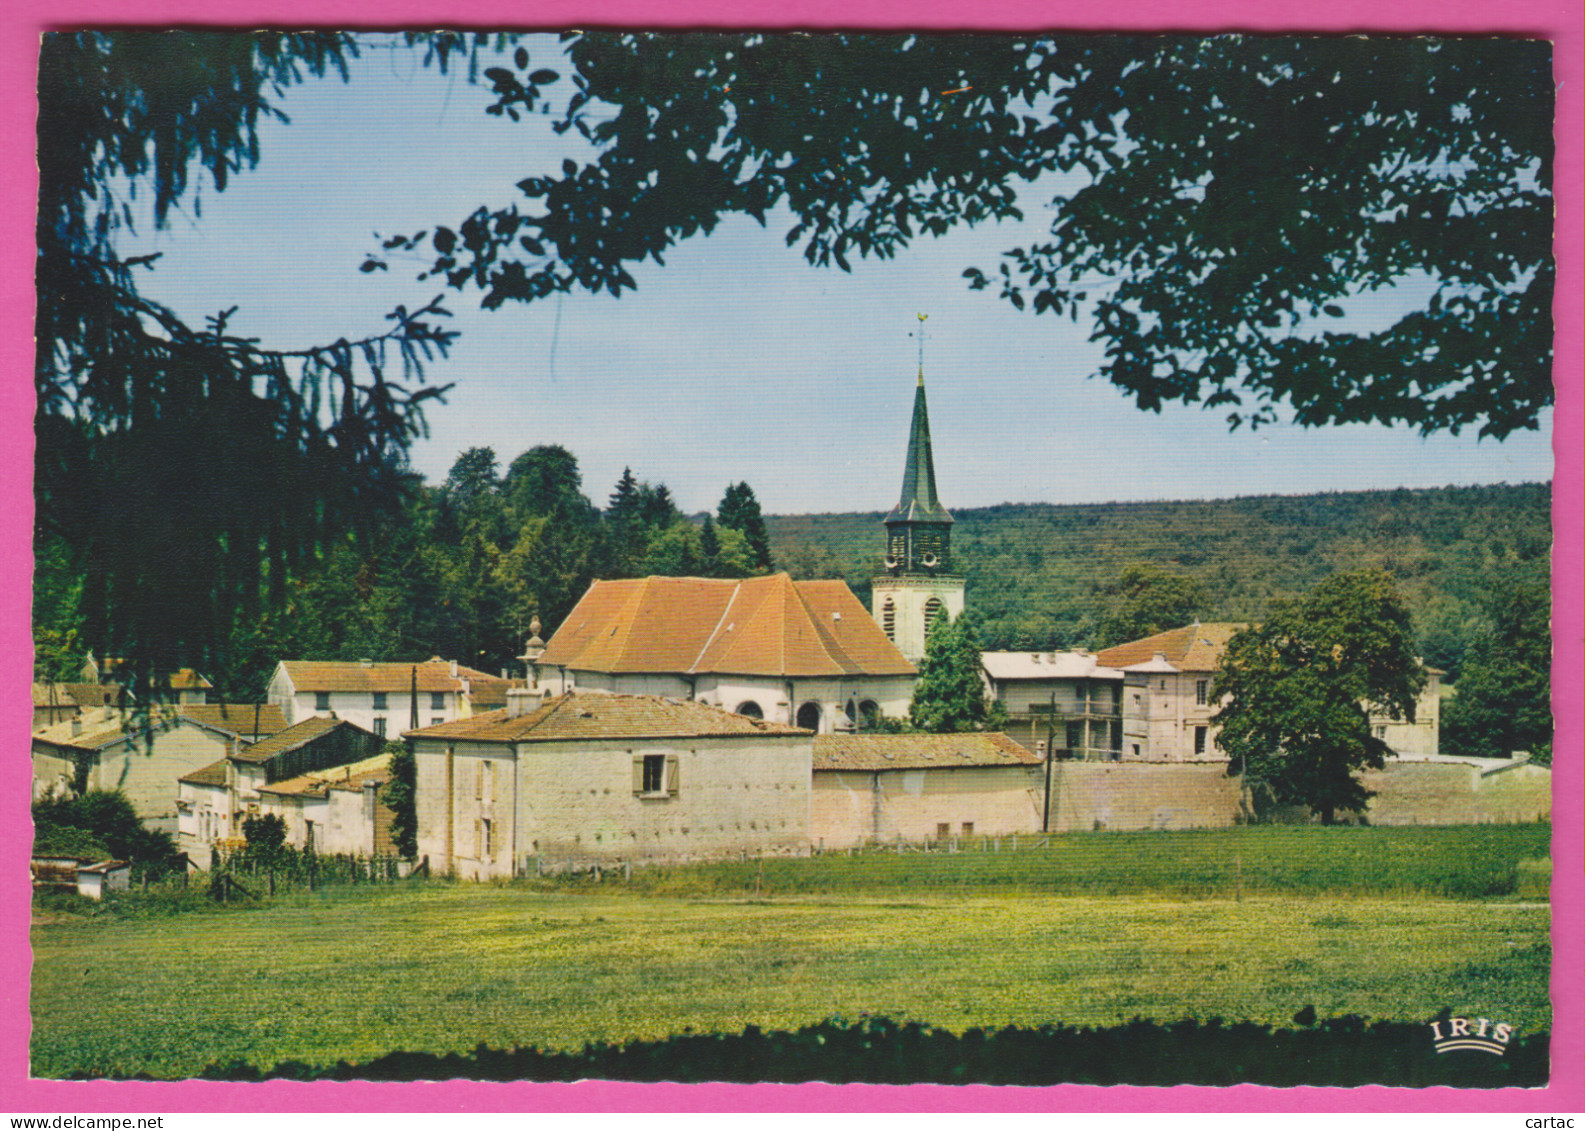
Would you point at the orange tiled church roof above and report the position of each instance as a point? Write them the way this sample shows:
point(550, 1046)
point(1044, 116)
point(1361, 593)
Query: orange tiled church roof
point(757, 626)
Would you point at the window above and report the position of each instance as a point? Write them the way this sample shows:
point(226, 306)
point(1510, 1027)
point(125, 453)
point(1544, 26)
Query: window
point(485, 839)
point(933, 612)
point(809, 716)
point(652, 773)
point(749, 710)
point(1199, 741)
point(1201, 687)
point(1163, 685)
point(436, 721)
point(484, 782)
point(379, 701)
point(943, 830)
point(870, 714)
point(889, 620)
point(308, 834)
point(968, 828)
point(321, 700)
point(379, 725)
point(437, 700)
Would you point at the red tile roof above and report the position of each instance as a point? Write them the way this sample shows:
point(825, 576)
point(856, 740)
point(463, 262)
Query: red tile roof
point(339, 675)
point(595, 715)
point(871, 752)
point(236, 718)
point(757, 626)
point(1192, 648)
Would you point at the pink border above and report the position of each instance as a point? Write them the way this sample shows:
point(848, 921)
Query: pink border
point(1558, 20)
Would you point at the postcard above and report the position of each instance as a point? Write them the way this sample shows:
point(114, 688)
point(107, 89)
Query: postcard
point(682, 568)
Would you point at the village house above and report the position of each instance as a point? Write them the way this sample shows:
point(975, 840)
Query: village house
point(802, 653)
point(1067, 702)
point(335, 811)
point(58, 702)
point(1167, 704)
point(142, 753)
point(183, 686)
point(913, 788)
point(592, 778)
point(213, 800)
point(382, 697)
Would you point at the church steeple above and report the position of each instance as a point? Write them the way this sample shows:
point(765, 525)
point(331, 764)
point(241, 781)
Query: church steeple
point(918, 591)
point(918, 528)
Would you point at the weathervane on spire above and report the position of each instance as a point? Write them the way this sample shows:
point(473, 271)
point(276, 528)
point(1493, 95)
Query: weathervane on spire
point(922, 318)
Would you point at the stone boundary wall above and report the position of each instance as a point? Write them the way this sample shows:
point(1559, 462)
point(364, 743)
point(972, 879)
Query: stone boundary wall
point(1144, 795)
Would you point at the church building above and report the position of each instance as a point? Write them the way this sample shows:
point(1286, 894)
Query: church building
point(919, 585)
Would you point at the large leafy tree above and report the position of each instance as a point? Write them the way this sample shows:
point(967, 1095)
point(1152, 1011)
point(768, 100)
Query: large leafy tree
point(949, 696)
point(1503, 699)
point(1219, 202)
point(184, 472)
point(1300, 685)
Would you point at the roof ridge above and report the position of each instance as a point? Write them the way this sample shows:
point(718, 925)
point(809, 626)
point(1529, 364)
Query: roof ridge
point(737, 587)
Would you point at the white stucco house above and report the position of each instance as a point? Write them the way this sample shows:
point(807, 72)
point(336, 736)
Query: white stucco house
point(215, 799)
point(588, 778)
point(381, 697)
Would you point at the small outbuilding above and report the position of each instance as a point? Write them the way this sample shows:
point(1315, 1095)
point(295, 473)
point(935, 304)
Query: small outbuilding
point(882, 788)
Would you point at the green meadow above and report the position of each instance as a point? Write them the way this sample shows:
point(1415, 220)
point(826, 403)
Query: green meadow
point(351, 973)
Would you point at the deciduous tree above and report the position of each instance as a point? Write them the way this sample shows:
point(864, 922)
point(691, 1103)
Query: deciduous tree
point(949, 695)
point(1219, 204)
point(1300, 685)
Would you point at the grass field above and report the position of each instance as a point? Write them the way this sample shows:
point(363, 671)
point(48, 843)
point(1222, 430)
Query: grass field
point(352, 973)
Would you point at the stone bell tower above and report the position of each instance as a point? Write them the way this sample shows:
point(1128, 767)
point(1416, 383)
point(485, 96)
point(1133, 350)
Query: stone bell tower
point(918, 585)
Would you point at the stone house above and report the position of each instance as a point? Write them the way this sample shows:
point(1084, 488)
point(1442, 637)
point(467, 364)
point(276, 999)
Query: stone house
point(385, 698)
point(215, 799)
point(598, 778)
point(1167, 681)
point(883, 788)
point(801, 653)
point(59, 702)
point(1067, 701)
point(141, 753)
point(337, 810)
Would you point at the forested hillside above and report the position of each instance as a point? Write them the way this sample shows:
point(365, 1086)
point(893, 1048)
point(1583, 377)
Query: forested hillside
point(1044, 576)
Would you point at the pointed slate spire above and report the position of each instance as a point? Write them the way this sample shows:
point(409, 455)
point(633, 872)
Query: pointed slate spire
point(919, 502)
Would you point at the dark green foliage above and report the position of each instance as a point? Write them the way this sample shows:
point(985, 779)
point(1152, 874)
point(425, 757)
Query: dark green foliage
point(1037, 573)
point(545, 482)
point(739, 510)
point(106, 818)
point(1337, 1052)
point(1145, 600)
point(231, 466)
point(949, 696)
point(1224, 200)
point(401, 794)
point(266, 834)
point(1503, 700)
point(1299, 684)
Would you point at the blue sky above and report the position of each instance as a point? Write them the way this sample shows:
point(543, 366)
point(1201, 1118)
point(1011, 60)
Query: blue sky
point(737, 360)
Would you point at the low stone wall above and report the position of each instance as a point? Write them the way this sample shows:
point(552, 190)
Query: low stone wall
point(1443, 793)
point(1144, 795)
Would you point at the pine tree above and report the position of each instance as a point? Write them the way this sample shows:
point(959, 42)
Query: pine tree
point(739, 510)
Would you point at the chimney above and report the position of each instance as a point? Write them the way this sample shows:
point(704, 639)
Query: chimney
point(520, 701)
point(454, 669)
point(1040, 748)
point(77, 725)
